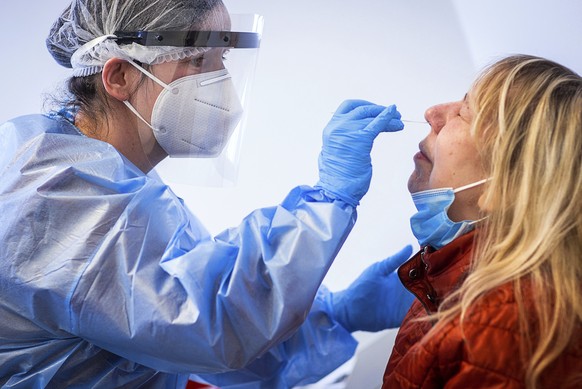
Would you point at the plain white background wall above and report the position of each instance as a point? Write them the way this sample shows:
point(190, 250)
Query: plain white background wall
point(550, 29)
point(315, 54)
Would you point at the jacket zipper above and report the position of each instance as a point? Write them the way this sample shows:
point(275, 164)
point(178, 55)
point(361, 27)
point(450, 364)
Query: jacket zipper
point(427, 295)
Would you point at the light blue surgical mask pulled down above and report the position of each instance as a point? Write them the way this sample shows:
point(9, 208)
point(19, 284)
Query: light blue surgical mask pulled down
point(431, 224)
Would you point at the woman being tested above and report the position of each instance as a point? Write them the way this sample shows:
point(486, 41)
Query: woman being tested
point(107, 279)
point(498, 306)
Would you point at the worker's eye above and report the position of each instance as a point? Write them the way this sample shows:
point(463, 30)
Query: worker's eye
point(197, 61)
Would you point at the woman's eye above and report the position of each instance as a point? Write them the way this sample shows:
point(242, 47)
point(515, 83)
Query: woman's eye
point(197, 61)
point(463, 112)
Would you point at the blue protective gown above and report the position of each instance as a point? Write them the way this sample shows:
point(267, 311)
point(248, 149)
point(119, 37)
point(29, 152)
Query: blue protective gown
point(107, 280)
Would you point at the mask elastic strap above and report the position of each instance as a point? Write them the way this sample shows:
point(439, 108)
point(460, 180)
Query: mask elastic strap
point(150, 75)
point(132, 109)
point(469, 186)
point(156, 80)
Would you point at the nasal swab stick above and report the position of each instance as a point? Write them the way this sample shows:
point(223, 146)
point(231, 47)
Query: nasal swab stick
point(413, 121)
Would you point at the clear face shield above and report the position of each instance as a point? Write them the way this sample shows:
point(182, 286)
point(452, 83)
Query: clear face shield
point(195, 130)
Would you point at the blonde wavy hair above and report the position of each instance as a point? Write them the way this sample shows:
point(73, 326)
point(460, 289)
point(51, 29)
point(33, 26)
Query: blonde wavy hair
point(528, 125)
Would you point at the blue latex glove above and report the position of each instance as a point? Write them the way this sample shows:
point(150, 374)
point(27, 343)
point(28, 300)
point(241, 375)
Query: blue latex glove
point(376, 300)
point(345, 166)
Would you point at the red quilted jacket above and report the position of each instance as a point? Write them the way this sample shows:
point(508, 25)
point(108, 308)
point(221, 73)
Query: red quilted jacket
point(487, 354)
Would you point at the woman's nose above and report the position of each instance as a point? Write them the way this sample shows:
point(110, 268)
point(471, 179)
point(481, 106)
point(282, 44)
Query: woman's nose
point(438, 115)
point(435, 117)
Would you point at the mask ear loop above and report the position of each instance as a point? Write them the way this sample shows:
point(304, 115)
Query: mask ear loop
point(132, 109)
point(469, 186)
point(157, 81)
point(154, 78)
point(474, 184)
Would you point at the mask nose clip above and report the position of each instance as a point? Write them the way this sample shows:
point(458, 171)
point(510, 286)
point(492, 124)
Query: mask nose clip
point(215, 79)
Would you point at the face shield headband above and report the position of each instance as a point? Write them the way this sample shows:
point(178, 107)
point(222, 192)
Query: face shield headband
point(154, 47)
point(211, 39)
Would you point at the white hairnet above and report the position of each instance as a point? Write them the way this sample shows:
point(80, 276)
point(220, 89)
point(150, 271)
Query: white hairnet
point(81, 38)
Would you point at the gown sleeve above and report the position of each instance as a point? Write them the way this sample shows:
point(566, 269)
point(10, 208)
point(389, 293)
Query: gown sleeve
point(206, 305)
point(315, 350)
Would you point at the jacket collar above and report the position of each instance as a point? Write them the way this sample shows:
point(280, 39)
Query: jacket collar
point(439, 261)
point(432, 274)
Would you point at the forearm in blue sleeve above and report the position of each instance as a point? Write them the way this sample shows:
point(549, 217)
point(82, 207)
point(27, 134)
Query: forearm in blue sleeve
point(318, 347)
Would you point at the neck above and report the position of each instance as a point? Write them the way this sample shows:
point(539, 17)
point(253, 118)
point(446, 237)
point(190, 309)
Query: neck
point(122, 131)
point(466, 205)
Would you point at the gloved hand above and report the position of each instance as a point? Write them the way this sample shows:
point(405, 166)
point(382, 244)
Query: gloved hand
point(345, 166)
point(376, 300)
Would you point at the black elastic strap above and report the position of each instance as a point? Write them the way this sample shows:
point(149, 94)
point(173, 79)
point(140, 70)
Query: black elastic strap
point(231, 39)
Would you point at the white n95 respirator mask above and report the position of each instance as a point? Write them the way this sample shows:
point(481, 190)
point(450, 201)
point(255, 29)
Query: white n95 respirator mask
point(194, 116)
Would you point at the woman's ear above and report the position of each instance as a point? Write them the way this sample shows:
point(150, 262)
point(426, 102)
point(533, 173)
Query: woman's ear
point(484, 202)
point(119, 78)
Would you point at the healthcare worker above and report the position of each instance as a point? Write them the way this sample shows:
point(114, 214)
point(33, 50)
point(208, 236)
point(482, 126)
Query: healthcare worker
point(107, 279)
